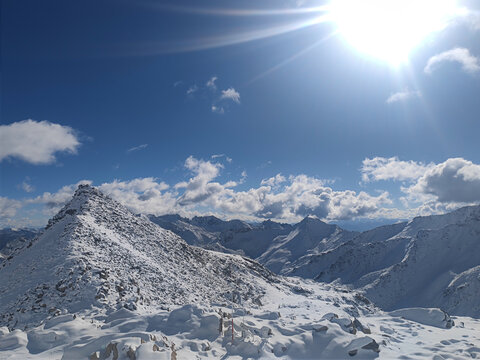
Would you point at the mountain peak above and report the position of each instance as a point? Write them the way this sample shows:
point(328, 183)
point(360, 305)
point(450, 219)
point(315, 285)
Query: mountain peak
point(313, 222)
point(86, 189)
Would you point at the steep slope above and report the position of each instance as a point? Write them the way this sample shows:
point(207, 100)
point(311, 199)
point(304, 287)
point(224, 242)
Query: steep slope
point(433, 271)
point(95, 255)
point(233, 236)
point(258, 240)
point(192, 234)
point(310, 236)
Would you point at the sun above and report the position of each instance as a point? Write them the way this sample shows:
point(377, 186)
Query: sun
point(390, 29)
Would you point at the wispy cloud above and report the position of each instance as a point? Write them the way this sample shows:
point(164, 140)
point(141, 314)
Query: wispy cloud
point(469, 63)
point(192, 89)
point(219, 100)
point(218, 156)
point(137, 148)
point(403, 96)
point(26, 186)
point(231, 94)
point(218, 109)
point(211, 83)
point(36, 142)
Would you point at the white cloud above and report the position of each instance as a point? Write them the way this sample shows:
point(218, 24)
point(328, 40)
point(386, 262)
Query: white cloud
point(455, 181)
point(432, 188)
point(36, 142)
point(136, 148)
point(274, 181)
point(142, 195)
point(230, 94)
point(200, 187)
point(403, 96)
point(280, 198)
point(469, 63)
point(299, 196)
point(211, 83)
point(380, 168)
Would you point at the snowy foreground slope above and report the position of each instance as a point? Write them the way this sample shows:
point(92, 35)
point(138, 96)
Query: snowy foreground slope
point(103, 283)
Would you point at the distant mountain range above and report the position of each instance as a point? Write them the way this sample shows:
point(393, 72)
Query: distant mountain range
point(428, 261)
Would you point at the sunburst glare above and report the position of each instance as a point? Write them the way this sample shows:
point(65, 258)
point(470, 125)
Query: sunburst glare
point(390, 29)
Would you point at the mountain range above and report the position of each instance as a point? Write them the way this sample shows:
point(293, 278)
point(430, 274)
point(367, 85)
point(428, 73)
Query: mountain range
point(430, 260)
point(100, 282)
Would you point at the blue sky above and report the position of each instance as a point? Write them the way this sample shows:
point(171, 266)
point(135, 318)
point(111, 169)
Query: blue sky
point(139, 98)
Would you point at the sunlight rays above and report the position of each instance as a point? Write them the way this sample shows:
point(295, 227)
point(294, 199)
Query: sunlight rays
point(386, 30)
point(205, 43)
point(292, 58)
point(242, 12)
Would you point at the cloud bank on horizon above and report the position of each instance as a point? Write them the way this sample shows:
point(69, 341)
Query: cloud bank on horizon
point(427, 189)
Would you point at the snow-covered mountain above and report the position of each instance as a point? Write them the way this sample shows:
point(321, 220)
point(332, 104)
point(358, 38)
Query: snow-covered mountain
point(310, 236)
point(430, 260)
point(233, 236)
point(200, 230)
point(103, 283)
point(277, 246)
point(96, 254)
